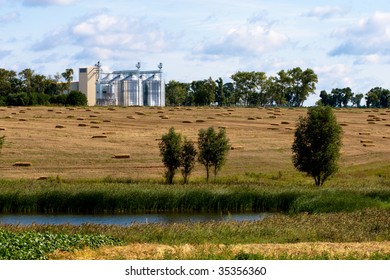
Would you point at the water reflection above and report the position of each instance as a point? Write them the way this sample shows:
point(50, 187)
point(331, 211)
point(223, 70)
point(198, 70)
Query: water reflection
point(124, 220)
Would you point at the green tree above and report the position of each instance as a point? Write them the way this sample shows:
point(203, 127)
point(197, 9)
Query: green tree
point(317, 142)
point(250, 88)
point(203, 92)
point(68, 76)
point(170, 150)
point(213, 149)
point(175, 93)
point(188, 159)
point(76, 98)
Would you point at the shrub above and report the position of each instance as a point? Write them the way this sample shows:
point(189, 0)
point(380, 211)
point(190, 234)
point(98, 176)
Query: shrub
point(170, 150)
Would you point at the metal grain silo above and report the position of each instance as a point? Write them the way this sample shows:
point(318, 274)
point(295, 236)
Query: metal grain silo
point(154, 91)
point(131, 88)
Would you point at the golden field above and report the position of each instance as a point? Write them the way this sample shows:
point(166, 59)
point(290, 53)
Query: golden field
point(99, 142)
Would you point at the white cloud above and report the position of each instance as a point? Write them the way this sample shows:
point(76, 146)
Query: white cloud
point(324, 12)
point(106, 35)
point(246, 40)
point(368, 37)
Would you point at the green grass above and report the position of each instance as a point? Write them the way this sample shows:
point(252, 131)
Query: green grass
point(359, 226)
point(56, 196)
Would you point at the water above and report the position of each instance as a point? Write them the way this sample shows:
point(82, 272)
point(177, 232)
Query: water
point(124, 220)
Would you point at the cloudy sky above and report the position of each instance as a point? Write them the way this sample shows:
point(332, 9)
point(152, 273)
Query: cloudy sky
point(347, 43)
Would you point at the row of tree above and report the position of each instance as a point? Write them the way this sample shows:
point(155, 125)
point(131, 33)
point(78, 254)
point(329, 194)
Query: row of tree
point(344, 97)
point(287, 88)
point(27, 88)
point(178, 152)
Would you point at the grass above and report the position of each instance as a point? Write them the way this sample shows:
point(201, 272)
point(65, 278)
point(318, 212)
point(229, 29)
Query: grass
point(361, 234)
point(111, 196)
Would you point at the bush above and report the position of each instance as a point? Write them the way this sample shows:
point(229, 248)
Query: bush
point(76, 98)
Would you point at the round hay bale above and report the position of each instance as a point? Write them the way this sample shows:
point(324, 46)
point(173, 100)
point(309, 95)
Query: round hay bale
point(22, 164)
point(82, 124)
point(285, 122)
point(60, 126)
point(187, 121)
point(99, 136)
point(165, 118)
point(251, 119)
point(80, 119)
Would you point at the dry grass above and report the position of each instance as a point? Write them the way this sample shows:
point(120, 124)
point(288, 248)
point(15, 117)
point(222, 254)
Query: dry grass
point(72, 153)
point(365, 250)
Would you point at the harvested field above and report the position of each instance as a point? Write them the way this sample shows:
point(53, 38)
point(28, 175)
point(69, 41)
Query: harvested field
point(73, 153)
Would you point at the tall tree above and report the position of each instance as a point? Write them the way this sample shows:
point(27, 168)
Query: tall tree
point(170, 150)
point(299, 85)
point(317, 142)
point(213, 148)
point(188, 159)
point(68, 76)
point(175, 93)
point(203, 92)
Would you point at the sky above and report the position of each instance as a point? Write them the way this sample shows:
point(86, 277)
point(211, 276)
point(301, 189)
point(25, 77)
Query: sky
point(346, 43)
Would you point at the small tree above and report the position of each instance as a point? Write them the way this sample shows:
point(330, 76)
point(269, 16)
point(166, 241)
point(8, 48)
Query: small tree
point(170, 150)
point(317, 143)
point(213, 149)
point(188, 158)
point(76, 98)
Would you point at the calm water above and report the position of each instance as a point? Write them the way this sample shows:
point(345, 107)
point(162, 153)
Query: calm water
point(124, 220)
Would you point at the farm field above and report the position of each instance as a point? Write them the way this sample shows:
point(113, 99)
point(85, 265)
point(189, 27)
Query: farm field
point(85, 143)
point(109, 154)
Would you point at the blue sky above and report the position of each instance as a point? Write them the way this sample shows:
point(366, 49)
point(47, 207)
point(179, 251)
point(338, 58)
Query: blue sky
point(347, 43)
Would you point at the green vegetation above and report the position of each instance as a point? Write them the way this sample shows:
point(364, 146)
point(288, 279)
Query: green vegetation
point(170, 150)
point(316, 147)
point(31, 245)
point(213, 149)
point(188, 158)
point(105, 197)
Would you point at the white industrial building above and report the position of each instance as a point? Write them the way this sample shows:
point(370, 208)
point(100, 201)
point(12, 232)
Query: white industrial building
point(122, 88)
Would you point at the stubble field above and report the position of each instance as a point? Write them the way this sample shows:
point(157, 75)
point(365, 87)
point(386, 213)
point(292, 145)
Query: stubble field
point(84, 143)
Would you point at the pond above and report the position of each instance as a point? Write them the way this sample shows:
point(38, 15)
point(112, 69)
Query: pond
point(124, 220)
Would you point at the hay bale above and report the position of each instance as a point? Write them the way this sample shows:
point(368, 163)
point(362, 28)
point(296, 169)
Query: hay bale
point(60, 126)
point(364, 133)
point(106, 121)
point(95, 122)
point(210, 118)
point(285, 122)
point(273, 128)
point(371, 122)
point(289, 128)
point(140, 113)
point(121, 156)
point(251, 119)
point(95, 126)
point(272, 117)
point(343, 124)
point(82, 124)
point(59, 112)
point(368, 145)
point(80, 119)
point(131, 117)
point(200, 121)
point(371, 116)
point(22, 164)
point(50, 110)
point(92, 116)
point(274, 124)
point(2, 128)
point(237, 148)
point(111, 109)
point(165, 118)
point(99, 136)
point(187, 121)
point(160, 112)
point(22, 120)
point(387, 124)
point(366, 141)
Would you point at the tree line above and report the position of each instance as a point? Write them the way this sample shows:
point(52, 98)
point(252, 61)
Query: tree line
point(344, 97)
point(27, 88)
point(287, 88)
